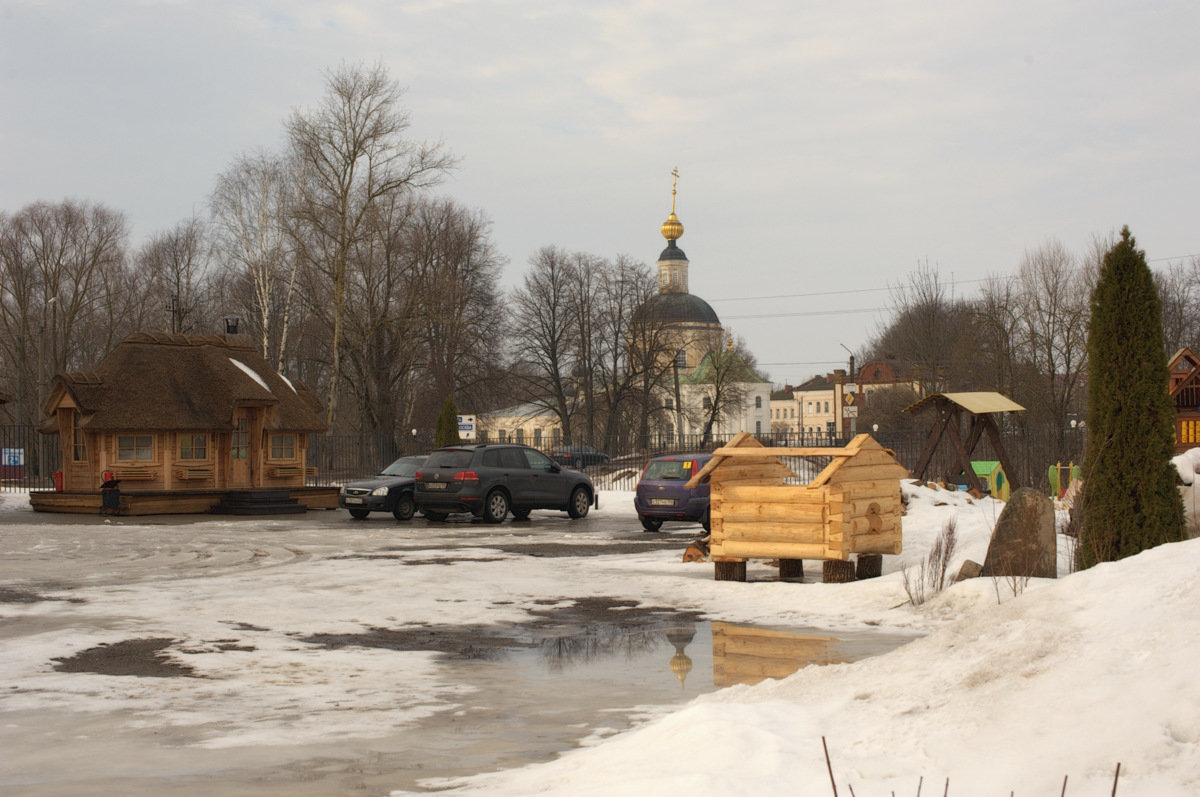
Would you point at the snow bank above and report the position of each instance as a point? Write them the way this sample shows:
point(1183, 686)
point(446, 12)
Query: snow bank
point(1068, 678)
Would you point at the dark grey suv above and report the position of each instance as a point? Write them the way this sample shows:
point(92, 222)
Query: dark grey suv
point(489, 480)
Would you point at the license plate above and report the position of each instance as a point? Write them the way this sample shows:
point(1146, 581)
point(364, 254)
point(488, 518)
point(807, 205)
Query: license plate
point(662, 502)
point(353, 500)
point(435, 486)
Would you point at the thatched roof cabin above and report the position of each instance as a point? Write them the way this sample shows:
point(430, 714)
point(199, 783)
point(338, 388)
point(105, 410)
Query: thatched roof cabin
point(177, 412)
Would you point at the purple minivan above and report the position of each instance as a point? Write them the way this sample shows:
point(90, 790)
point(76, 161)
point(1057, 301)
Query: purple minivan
point(661, 494)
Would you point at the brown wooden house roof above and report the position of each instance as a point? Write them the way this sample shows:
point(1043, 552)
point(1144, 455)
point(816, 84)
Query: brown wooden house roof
point(1185, 381)
point(153, 382)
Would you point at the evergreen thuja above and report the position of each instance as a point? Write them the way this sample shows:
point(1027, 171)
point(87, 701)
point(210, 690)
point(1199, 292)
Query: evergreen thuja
point(446, 431)
point(1130, 502)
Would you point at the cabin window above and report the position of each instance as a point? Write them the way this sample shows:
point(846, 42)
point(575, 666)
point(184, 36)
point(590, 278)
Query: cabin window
point(193, 446)
point(135, 447)
point(78, 447)
point(283, 446)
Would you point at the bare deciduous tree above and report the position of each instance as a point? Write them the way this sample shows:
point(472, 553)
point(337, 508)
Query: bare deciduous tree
point(351, 154)
point(252, 208)
point(59, 265)
point(545, 336)
point(177, 263)
point(1054, 297)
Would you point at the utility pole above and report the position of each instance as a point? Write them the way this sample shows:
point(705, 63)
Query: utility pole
point(850, 396)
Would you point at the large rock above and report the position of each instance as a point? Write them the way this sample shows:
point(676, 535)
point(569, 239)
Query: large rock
point(1023, 542)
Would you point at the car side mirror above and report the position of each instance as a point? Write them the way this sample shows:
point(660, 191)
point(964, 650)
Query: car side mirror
point(554, 467)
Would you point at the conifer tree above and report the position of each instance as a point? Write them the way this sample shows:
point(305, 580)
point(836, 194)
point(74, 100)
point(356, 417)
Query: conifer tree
point(446, 432)
point(1130, 502)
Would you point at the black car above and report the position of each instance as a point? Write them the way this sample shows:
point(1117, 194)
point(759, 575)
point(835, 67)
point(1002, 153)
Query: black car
point(491, 480)
point(580, 456)
point(390, 491)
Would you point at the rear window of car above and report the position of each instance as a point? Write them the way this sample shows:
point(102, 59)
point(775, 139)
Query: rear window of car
point(671, 469)
point(451, 458)
point(404, 467)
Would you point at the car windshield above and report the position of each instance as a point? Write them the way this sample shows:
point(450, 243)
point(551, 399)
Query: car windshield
point(450, 458)
point(670, 469)
point(404, 467)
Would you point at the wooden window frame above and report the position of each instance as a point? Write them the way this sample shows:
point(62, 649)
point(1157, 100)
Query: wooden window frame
point(280, 444)
point(135, 447)
point(78, 441)
point(189, 443)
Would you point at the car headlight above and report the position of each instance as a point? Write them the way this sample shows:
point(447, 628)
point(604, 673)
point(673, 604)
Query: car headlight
point(380, 491)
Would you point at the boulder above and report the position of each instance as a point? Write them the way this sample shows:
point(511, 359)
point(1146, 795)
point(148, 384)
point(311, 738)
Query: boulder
point(969, 569)
point(1023, 542)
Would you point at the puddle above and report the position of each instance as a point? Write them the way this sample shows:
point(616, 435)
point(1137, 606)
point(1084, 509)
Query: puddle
point(536, 701)
point(584, 670)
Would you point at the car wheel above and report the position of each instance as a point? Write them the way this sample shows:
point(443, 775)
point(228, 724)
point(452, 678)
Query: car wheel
point(706, 521)
point(405, 507)
point(495, 507)
point(581, 502)
point(359, 514)
point(650, 523)
point(435, 516)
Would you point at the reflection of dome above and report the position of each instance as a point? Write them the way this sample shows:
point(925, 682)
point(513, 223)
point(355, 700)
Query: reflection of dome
point(679, 308)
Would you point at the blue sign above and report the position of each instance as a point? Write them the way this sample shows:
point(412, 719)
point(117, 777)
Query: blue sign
point(12, 457)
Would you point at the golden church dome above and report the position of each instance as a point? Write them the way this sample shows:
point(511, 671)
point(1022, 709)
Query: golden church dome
point(672, 228)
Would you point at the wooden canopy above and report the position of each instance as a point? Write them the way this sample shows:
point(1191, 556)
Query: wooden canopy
point(982, 409)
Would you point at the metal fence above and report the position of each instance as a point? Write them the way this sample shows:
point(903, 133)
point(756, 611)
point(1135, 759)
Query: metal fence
point(29, 458)
point(1031, 453)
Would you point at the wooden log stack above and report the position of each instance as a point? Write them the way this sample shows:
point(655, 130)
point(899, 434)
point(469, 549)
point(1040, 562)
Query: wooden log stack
point(852, 507)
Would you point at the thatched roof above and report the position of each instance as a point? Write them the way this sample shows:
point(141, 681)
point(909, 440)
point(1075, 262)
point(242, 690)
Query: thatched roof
point(155, 382)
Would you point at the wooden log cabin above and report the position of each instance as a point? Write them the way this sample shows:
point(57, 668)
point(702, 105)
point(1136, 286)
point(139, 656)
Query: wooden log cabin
point(178, 420)
point(852, 506)
point(1184, 369)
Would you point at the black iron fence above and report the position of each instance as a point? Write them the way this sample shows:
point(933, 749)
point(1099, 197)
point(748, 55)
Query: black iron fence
point(29, 459)
point(1031, 453)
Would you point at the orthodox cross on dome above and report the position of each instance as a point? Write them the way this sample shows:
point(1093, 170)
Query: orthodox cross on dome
point(672, 228)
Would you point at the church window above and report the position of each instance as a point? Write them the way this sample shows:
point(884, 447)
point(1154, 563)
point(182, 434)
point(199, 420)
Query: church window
point(681, 359)
point(708, 402)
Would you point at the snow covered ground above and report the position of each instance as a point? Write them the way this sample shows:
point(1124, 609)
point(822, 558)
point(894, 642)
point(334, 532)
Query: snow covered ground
point(1009, 692)
point(1012, 688)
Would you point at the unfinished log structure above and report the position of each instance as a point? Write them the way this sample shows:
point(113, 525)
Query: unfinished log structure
point(852, 506)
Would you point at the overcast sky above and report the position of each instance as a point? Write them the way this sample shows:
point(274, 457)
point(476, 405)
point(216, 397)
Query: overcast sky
point(824, 148)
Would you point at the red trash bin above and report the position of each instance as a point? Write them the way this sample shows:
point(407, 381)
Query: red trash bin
point(58, 481)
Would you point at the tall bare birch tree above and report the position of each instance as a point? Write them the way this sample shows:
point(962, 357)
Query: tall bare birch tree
point(351, 152)
point(252, 208)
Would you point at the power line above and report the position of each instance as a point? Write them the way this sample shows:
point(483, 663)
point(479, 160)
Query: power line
point(807, 313)
point(889, 288)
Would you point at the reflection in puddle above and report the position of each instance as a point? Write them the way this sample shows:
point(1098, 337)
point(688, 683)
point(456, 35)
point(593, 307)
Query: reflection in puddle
point(745, 654)
point(699, 656)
